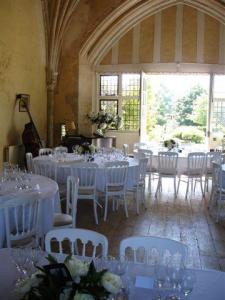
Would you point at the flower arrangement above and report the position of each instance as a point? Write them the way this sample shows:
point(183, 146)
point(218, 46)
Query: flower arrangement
point(104, 120)
point(170, 144)
point(86, 148)
point(82, 282)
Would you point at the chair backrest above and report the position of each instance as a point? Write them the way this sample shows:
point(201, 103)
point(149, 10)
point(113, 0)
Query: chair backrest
point(217, 183)
point(116, 174)
point(148, 153)
point(137, 146)
point(212, 157)
point(149, 244)
point(72, 185)
point(196, 163)
point(86, 172)
point(125, 149)
point(29, 161)
point(61, 149)
point(46, 168)
point(167, 162)
point(74, 235)
point(21, 215)
point(143, 164)
point(45, 151)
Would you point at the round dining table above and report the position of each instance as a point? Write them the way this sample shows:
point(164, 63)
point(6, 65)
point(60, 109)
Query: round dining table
point(47, 192)
point(208, 285)
point(69, 160)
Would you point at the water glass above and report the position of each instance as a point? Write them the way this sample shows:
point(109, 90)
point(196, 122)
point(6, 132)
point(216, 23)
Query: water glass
point(161, 276)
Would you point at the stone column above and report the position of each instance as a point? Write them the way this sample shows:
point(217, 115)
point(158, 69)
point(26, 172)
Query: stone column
point(50, 109)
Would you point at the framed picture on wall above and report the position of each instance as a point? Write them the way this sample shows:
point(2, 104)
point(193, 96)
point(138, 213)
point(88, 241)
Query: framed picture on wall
point(24, 101)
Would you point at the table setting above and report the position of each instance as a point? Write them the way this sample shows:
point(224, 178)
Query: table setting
point(64, 162)
point(24, 271)
point(16, 183)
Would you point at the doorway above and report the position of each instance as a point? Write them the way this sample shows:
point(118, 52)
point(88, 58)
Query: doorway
point(177, 107)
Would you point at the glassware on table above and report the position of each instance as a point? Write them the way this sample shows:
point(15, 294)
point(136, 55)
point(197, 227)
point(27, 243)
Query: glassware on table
point(188, 282)
point(161, 276)
point(22, 262)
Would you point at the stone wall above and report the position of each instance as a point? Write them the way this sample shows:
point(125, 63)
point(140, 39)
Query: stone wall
point(22, 68)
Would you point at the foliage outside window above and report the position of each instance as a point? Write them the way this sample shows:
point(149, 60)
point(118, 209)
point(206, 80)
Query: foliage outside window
point(109, 106)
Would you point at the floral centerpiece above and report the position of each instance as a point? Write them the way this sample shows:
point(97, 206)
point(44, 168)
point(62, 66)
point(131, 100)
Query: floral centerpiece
point(103, 121)
point(74, 280)
point(86, 148)
point(170, 144)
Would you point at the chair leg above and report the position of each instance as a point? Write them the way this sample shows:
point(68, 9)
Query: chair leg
point(137, 201)
point(178, 186)
point(158, 186)
point(125, 205)
point(106, 207)
point(187, 189)
point(143, 197)
point(203, 195)
point(150, 183)
point(95, 211)
point(113, 204)
point(175, 188)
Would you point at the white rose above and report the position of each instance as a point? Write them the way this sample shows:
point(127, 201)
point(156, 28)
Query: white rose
point(77, 267)
point(80, 296)
point(111, 282)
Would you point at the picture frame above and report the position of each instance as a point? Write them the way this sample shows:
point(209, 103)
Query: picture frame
point(24, 101)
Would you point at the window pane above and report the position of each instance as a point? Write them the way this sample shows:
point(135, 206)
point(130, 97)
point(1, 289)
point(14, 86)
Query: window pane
point(108, 85)
point(130, 114)
point(109, 106)
point(131, 85)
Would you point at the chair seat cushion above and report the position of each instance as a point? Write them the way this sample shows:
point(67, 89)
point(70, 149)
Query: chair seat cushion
point(62, 219)
point(115, 188)
point(84, 191)
point(22, 242)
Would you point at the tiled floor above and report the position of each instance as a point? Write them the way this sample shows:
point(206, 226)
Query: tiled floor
point(183, 220)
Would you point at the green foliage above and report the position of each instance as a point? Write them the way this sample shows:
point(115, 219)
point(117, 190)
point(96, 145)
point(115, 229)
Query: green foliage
point(184, 107)
point(189, 134)
point(199, 114)
point(164, 104)
point(130, 114)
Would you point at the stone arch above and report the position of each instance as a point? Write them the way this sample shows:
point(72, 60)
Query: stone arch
point(131, 13)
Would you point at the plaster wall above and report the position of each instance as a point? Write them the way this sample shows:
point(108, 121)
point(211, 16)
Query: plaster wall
point(22, 69)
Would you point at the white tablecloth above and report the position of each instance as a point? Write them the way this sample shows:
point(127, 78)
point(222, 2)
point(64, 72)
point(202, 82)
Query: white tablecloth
point(50, 202)
point(210, 285)
point(63, 168)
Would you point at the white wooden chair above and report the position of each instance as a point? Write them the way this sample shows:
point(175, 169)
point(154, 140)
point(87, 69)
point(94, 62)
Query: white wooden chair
point(21, 220)
point(125, 149)
point(210, 158)
point(151, 171)
point(86, 172)
point(45, 151)
point(29, 161)
point(116, 183)
point(139, 183)
point(167, 168)
point(217, 197)
point(195, 171)
point(149, 244)
point(61, 149)
point(46, 168)
point(69, 218)
point(75, 234)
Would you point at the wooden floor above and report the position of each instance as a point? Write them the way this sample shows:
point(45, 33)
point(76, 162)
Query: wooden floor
point(183, 220)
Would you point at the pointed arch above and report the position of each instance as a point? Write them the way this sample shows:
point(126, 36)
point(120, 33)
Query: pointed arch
point(132, 12)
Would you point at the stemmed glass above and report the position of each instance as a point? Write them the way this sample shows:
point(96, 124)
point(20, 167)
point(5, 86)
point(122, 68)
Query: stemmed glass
point(188, 282)
point(22, 262)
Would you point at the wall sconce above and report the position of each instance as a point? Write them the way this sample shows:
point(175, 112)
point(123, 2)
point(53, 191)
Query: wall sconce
point(24, 102)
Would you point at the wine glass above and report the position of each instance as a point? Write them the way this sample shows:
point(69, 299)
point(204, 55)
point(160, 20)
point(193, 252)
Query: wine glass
point(161, 276)
point(121, 265)
point(188, 282)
